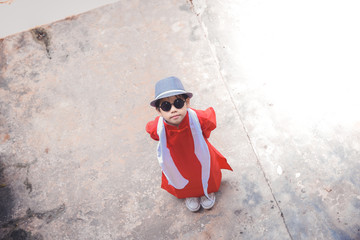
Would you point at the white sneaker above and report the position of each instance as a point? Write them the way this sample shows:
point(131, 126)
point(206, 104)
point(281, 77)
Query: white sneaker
point(193, 203)
point(208, 203)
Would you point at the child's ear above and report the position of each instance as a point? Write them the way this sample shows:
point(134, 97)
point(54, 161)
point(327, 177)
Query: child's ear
point(187, 101)
point(158, 110)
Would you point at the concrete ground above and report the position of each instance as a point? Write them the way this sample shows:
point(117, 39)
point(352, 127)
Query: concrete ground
point(76, 162)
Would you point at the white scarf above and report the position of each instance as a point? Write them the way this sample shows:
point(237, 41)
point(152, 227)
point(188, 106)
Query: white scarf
point(166, 162)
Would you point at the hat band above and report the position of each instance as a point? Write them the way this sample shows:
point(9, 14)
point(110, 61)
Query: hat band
point(170, 91)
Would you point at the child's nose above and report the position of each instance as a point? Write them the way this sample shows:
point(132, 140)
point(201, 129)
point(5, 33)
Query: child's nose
point(173, 108)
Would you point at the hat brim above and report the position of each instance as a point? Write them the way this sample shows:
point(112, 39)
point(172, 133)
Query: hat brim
point(170, 94)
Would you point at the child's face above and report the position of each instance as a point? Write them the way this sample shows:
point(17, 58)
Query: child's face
point(175, 115)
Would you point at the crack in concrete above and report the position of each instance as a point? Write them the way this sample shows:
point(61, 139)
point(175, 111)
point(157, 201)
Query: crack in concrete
point(16, 228)
point(42, 36)
point(27, 166)
point(28, 185)
point(214, 55)
point(46, 216)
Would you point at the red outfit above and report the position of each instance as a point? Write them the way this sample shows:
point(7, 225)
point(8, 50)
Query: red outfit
point(181, 146)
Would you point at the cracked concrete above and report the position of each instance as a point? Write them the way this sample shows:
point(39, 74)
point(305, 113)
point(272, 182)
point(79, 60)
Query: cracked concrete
point(76, 162)
point(42, 37)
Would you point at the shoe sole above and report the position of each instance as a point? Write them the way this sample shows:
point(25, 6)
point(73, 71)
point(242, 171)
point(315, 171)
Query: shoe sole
point(194, 210)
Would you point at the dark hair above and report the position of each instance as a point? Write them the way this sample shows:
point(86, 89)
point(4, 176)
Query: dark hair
point(184, 96)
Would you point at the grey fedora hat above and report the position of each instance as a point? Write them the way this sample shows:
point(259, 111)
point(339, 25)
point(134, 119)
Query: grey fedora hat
point(168, 87)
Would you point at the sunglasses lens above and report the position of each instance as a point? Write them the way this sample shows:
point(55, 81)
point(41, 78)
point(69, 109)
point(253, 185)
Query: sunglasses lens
point(179, 103)
point(165, 106)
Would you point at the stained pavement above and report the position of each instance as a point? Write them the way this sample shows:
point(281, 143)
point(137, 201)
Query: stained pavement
point(76, 162)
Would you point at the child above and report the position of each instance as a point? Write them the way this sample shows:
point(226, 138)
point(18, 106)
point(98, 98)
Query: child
point(190, 164)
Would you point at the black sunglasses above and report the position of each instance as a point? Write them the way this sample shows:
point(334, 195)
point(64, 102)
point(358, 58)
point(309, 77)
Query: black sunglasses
point(178, 103)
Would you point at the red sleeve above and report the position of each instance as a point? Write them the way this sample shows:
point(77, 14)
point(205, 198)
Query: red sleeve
point(151, 128)
point(207, 119)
